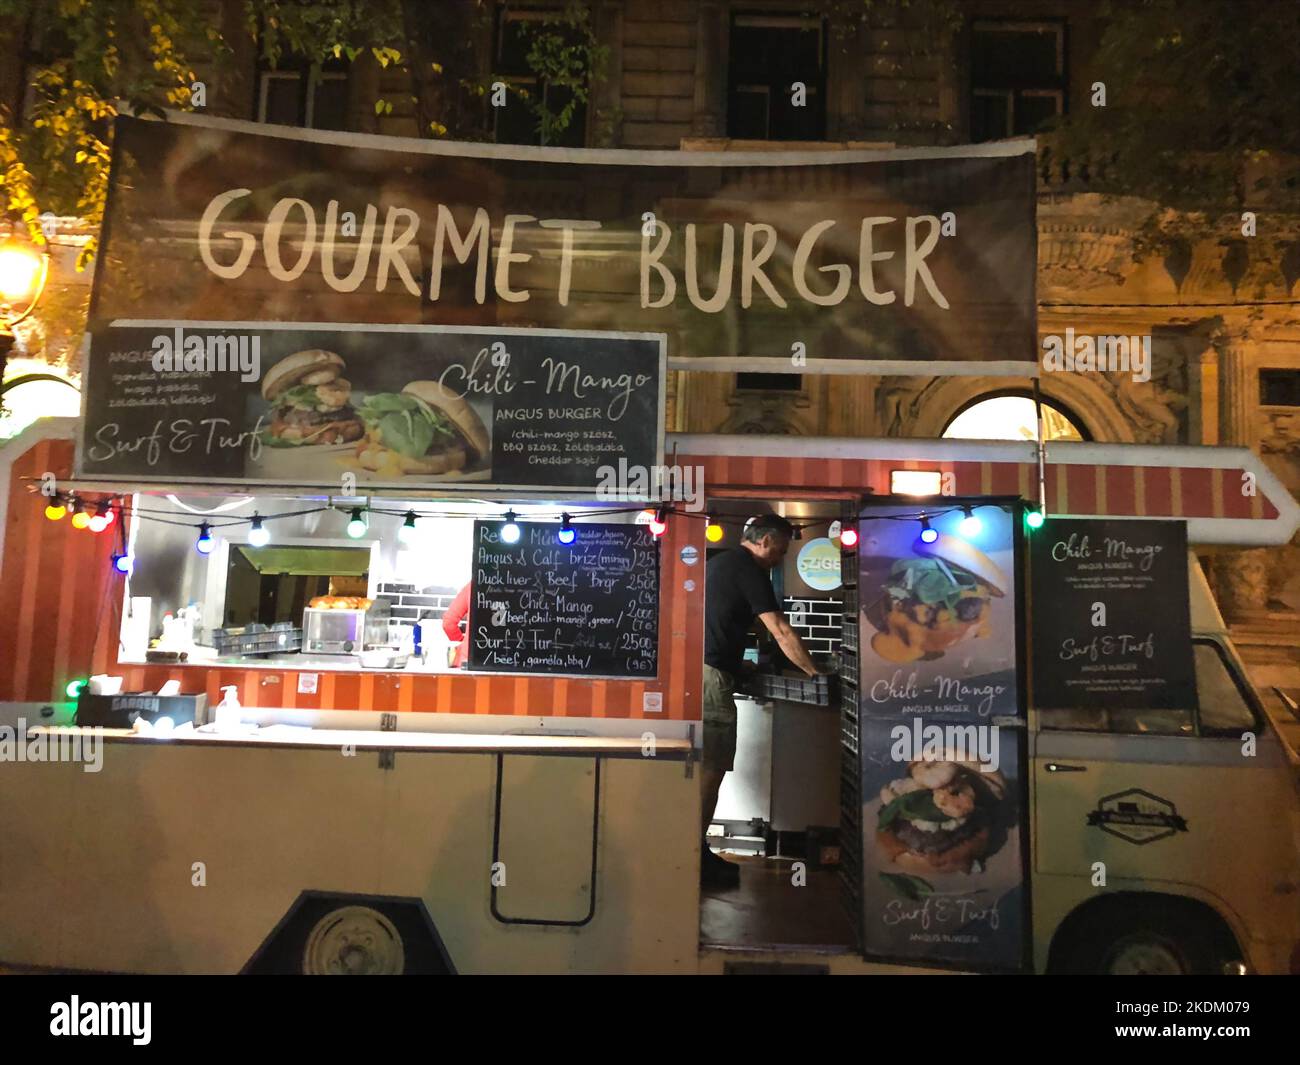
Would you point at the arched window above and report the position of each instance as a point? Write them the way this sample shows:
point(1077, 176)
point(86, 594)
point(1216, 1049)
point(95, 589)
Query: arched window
point(1011, 416)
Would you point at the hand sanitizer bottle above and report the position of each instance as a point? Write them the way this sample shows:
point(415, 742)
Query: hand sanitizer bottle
point(229, 711)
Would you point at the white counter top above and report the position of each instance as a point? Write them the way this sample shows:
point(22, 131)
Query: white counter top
point(370, 740)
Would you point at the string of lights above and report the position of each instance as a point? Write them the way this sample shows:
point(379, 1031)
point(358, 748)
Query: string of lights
point(99, 514)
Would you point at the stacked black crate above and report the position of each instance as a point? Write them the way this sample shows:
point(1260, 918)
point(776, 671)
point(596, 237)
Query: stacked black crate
point(850, 771)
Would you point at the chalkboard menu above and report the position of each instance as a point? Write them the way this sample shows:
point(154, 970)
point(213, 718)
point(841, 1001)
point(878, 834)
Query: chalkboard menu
point(588, 608)
point(1111, 619)
point(404, 406)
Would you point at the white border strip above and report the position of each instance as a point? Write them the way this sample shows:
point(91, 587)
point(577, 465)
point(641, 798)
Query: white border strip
point(13, 449)
point(598, 156)
point(1027, 369)
point(1244, 531)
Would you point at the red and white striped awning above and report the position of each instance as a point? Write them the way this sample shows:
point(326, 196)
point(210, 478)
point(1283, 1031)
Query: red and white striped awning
point(1226, 494)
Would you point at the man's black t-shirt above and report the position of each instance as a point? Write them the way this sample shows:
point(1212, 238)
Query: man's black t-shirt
point(737, 589)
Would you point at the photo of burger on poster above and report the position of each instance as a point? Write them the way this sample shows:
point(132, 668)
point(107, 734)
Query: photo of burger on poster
point(942, 848)
point(937, 613)
point(324, 416)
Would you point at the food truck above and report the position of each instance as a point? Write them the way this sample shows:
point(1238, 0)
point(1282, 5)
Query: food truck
point(421, 818)
point(356, 626)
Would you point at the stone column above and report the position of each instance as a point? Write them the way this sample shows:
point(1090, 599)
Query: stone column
point(1237, 387)
point(711, 42)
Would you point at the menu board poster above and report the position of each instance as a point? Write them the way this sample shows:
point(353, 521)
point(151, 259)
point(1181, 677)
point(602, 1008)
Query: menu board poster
point(942, 791)
point(1111, 616)
point(589, 608)
point(944, 865)
point(401, 406)
point(938, 616)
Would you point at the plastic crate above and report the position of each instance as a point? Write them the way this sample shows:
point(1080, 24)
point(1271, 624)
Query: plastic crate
point(850, 600)
point(849, 698)
point(813, 690)
point(849, 669)
point(281, 638)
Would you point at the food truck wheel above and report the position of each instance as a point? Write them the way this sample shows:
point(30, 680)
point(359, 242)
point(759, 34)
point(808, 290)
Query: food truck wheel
point(1140, 941)
point(353, 941)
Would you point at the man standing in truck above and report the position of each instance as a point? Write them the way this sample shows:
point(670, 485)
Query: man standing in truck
point(738, 589)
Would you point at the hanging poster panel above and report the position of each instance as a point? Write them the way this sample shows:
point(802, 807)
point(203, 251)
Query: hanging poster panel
point(914, 260)
point(412, 406)
point(944, 815)
point(1112, 620)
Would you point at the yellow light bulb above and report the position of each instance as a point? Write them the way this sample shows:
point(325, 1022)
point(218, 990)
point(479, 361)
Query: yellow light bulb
point(713, 533)
point(55, 512)
point(19, 269)
point(80, 520)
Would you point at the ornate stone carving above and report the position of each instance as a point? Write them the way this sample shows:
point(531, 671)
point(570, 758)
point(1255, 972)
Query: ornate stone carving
point(1241, 580)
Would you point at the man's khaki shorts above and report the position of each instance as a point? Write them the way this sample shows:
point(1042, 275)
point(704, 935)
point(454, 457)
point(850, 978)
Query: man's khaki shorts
point(719, 720)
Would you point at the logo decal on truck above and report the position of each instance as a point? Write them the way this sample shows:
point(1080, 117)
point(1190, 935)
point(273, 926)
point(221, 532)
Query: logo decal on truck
point(1137, 816)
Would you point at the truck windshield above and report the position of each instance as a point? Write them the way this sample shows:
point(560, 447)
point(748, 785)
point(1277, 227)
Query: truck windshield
point(1224, 707)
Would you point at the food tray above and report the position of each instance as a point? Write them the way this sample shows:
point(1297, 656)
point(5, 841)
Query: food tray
point(280, 638)
point(813, 690)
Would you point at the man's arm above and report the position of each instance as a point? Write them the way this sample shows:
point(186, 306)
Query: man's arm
point(789, 641)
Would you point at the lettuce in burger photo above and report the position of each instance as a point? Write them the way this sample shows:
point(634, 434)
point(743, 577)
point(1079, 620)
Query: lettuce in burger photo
point(424, 429)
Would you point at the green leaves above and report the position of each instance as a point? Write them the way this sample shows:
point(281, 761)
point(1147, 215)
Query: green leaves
point(929, 580)
point(914, 806)
point(910, 887)
point(405, 424)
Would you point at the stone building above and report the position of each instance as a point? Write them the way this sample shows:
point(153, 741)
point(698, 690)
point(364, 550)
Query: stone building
point(1221, 317)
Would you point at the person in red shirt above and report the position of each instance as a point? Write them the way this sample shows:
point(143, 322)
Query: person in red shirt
point(451, 619)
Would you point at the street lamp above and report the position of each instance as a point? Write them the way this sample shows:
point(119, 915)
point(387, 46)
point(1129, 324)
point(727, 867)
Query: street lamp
point(23, 270)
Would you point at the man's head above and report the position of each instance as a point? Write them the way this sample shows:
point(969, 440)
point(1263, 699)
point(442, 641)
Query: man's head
point(767, 538)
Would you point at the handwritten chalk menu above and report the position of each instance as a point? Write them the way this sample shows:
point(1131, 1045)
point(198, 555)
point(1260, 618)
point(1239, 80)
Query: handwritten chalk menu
point(1111, 619)
point(590, 608)
point(410, 406)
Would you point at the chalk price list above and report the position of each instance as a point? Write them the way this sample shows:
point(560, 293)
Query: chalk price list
point(588, 608)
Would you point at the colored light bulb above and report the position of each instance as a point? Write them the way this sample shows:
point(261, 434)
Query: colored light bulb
point(258, 535)
point(407, 532)
point(510, 530)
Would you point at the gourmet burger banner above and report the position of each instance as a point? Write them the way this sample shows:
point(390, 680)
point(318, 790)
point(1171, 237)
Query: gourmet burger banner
point(914, 260)
point(943, 815)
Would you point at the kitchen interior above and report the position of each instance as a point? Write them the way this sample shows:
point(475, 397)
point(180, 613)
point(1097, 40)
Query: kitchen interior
point(781, 803)
point(320, 585)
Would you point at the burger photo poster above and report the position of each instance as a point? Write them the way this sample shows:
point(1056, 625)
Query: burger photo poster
point(942, 815)
point(417, 406)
